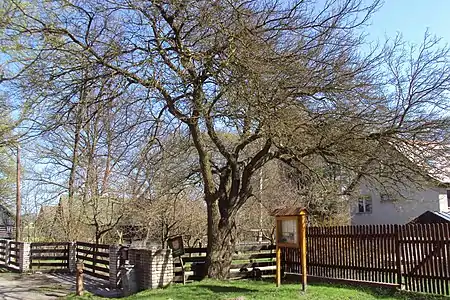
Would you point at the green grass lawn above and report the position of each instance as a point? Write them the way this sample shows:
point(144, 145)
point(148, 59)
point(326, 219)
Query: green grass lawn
point(218, 290)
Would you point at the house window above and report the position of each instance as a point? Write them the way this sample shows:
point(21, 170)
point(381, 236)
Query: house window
point(365, 205)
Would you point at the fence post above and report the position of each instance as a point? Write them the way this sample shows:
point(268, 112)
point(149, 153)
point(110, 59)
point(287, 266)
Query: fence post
point(7, 253)
point(398, 263)
point(72, 259)
point(79, 279)
point(24, 257)
point(113, 266)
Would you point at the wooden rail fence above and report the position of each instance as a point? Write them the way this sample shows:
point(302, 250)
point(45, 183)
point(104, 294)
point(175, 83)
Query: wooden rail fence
point(95, 259)
point(13, 251)
point(3, 245)
point(54, 256)
point(245, 259)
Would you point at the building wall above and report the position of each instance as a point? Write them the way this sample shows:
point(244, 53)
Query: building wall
point(402, 210)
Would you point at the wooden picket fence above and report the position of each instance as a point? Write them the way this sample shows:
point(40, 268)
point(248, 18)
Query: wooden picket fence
point(412, 257)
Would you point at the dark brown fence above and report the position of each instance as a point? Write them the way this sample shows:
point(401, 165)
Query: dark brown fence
point(366, 253)
point(49, 256)
point(425, 251)
point(3, 245)
point(413, 257)
point(95, 259)
point(13, 250)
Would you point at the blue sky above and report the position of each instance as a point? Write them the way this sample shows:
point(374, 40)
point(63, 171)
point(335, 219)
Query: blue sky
point(411, 18)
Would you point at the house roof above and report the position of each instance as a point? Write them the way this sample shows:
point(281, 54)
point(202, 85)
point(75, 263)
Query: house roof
point(432, 157)
point(288, 211)
point(429, 217)
point(6, 214)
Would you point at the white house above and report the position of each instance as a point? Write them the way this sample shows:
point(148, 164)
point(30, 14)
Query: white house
point(374, 207)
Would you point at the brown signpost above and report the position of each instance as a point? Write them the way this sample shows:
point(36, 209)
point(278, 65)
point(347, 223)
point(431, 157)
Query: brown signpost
point(291, 233)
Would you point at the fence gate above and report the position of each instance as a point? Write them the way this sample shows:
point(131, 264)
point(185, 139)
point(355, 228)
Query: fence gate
point(95, 258)
point(49, 256)
point(425, 250)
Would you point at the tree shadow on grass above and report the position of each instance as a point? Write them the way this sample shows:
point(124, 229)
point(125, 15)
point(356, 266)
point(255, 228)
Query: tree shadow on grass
point(226, 289)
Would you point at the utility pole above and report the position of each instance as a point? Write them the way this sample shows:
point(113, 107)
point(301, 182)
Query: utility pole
point(18, 200)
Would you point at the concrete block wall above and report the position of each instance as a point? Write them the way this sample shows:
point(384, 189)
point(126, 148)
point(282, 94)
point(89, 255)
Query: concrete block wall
point(154, 268)
point(24, 257)
point(113, 266)
point(72, 257)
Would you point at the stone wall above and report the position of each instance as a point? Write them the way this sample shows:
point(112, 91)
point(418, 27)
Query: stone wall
point(153, 268)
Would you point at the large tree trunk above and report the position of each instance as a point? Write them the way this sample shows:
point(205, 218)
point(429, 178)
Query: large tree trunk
point(220, 242)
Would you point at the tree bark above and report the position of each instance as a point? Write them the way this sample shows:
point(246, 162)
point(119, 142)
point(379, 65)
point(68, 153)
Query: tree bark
point(220, 242)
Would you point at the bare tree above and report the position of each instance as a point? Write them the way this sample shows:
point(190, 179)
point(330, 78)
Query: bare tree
point(252, 81)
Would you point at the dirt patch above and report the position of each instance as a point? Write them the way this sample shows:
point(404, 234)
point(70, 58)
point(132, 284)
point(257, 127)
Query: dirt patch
point(31, 287)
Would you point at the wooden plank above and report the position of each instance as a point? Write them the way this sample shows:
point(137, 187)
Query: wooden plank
point(421, 251)
point(194, 250)
point(398, 255)
point(96, 274)
point(194, 259)
point(36, 245)
point(435, 248)
point(362, 236)
point(384, 254)
point(348, 247)
point(377, 253)
point(58, 251)
point(336, 252)
point(91, 260)
point(49, 264)
point(339, 252)
point(316, 249)
point(426, 258)
point(353, 250)
point(408, 258)
point(100, 254)
point(254, 256)
point(446, 256)
point(253, 265)
point(442, 263)
point(64, 257)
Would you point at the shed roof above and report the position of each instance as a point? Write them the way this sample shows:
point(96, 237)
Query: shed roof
point(288, 211)
point(432, 217)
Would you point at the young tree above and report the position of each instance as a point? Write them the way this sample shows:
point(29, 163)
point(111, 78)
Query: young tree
point(292, 81)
